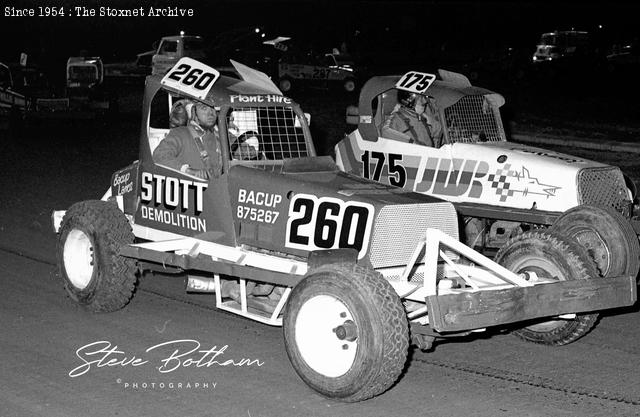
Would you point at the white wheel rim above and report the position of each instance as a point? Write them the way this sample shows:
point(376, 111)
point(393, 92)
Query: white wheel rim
point(316, 340)
point(78, 258)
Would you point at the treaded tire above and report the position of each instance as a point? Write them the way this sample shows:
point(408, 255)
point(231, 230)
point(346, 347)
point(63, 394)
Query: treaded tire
point(380, 349)
point(93, 273)
point(607, 236)
point(549, 255)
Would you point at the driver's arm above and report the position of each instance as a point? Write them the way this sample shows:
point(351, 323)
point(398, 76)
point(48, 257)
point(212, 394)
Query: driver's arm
point(168, 151)
point(246, 147)
point(392, 129)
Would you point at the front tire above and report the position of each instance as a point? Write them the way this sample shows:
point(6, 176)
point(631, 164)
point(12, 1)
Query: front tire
point(93, 273)
point(550, 255)
point(346, 332)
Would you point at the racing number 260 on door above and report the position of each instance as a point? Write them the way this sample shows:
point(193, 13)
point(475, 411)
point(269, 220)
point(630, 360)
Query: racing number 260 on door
point(328, 223)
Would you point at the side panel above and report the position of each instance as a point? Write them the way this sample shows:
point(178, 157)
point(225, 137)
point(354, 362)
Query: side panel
point(260, 204)
point(174, 202)
point(281, 213)
point(405, 165)
point(501, 175)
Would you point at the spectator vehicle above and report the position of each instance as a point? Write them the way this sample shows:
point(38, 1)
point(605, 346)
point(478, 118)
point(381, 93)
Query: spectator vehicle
point(27, 93)
point(13, 105)
point(349, 267)
point(321, 71)
point(86, 87)
point(500, 189)
point(562, 46)
point(172, 48)
point(624, 58)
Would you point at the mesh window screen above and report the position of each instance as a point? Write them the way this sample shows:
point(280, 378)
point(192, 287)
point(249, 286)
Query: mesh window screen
point(271, 133)
point(473, 119)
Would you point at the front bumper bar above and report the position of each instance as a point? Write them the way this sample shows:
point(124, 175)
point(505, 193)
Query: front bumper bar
point(474, 310)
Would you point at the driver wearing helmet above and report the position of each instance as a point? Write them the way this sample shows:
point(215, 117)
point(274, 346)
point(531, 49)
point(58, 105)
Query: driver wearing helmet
point(416, 119)
point(193, 149)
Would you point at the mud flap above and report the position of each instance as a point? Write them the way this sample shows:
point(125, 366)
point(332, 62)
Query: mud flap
point(320, 258)
point(474, 310)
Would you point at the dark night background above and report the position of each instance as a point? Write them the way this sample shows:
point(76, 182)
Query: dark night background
point(51, 160)
point(375, 30)
point(493, 40)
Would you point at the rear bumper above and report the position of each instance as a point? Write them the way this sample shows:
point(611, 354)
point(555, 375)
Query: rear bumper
point(474, 310)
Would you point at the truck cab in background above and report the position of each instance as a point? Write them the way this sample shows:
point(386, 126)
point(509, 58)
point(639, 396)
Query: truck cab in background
point(172, 48)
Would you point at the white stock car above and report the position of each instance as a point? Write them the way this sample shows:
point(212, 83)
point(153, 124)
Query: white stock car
point(499, 188)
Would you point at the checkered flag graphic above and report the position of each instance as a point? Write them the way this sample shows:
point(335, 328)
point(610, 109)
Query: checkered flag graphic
point(500, 183)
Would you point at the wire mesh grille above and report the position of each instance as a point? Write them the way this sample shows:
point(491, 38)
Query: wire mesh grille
point(602, 187)
point(273, 133)
point(399, 228)
point(473, 119)
point(417, 276)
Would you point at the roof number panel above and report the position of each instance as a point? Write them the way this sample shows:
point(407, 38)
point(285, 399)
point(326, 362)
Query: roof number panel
point(415, 82)
point(191, 77)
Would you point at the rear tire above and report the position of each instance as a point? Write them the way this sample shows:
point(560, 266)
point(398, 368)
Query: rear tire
point(607, 236)
point(94, 275)
point(550, 255)
point(346, 332)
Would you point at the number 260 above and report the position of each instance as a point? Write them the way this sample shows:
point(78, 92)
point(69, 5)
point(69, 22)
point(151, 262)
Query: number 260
point(192, 76)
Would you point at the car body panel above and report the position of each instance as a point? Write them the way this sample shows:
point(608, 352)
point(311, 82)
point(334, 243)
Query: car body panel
point(466, 172)
point(291, 202)
point(475, 164)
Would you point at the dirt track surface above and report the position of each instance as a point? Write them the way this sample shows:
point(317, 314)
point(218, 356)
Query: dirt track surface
point(55, 165)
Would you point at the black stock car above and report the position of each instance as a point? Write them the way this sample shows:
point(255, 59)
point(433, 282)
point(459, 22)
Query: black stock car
point(347, 266)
